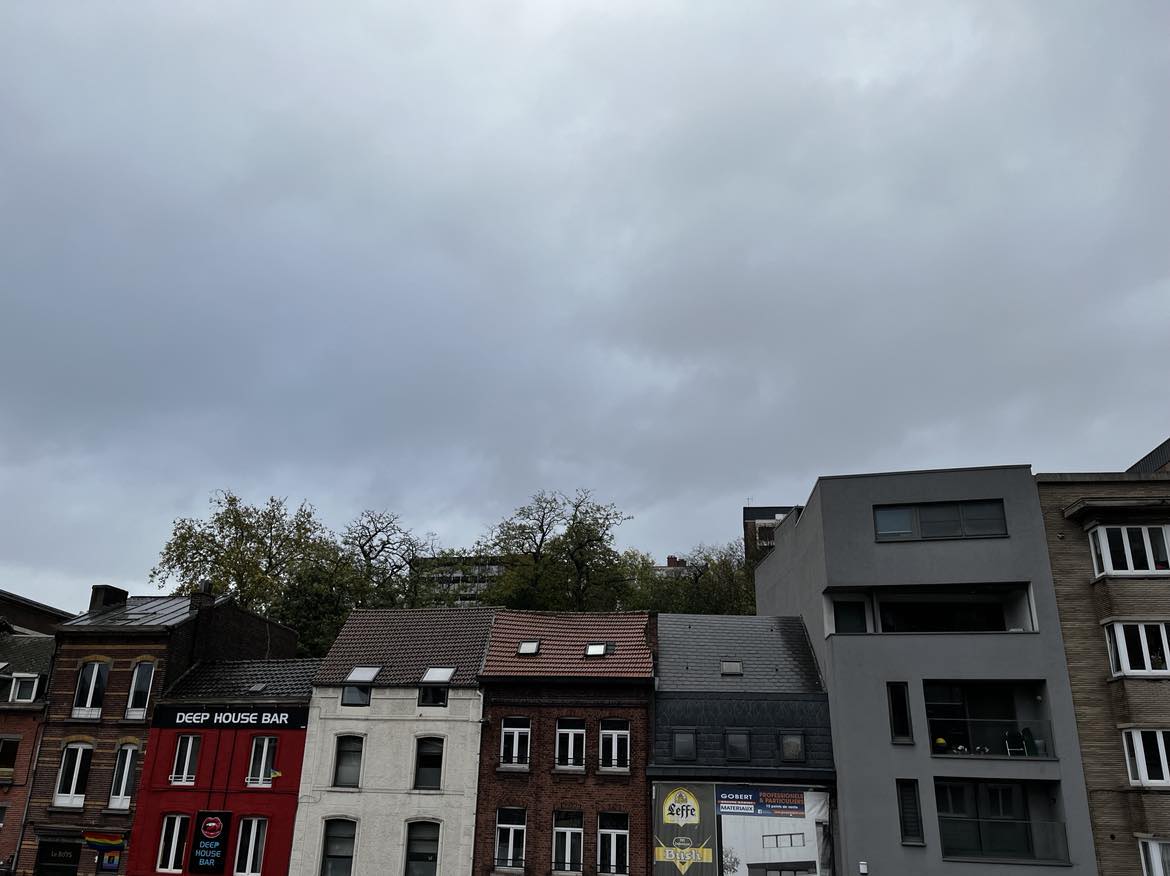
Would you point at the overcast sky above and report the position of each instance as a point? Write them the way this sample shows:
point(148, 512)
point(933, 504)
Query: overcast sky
point(432, 257)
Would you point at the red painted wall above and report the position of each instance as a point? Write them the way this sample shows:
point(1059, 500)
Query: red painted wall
point(219, 785)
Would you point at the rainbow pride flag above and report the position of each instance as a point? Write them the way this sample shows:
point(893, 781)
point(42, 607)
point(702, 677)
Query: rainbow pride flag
point(106, 841)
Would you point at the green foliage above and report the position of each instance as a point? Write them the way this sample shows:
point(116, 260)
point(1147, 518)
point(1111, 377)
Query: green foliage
point(715, 580)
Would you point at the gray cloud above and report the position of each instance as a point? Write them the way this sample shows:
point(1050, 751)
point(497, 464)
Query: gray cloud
point(436, 257)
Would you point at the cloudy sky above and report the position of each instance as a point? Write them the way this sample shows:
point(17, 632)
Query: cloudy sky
point(435, 256)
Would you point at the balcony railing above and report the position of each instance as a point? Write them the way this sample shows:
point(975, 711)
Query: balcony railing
point(1003, 839)
point(991, 738)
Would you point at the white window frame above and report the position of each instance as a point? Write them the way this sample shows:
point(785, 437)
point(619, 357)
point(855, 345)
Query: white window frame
point(576, 747)
point(613, 834)
point(188, 753)
point(613, 737)
point(1150, 853)
point(72, 799)
point(171, 825)
point(510, 743)
point(17, 678)
point(513, 830)
point(267, 751)
point(137, 714)
point(123, 779)
point(1103, 563)
point(254, 860)
point(89, 711)
point(1138, 761)
point(568, 833)
point(1115, 641)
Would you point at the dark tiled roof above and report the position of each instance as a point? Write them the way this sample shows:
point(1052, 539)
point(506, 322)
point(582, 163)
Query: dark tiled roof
point(138, 611)
point(563, 637)
point(406, 642)
point(774, 651)
point(234, 680)
point(26, 653)
point(1156, 460)
point(9, 596)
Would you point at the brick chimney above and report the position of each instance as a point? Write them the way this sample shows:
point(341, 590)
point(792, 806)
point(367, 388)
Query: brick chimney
point(673, 562)
point(103, 596)
point(204, 598)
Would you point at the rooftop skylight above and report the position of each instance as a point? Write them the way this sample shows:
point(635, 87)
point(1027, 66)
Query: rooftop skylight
point(731, 667)
point(362, 674)
point(438, 675)
point(596, 649)
point(529, 647)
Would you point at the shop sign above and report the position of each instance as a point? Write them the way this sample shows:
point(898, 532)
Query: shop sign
point(231, 717)
point(209, 846)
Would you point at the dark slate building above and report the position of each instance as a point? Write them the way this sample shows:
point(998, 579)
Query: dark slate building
point(742, 760)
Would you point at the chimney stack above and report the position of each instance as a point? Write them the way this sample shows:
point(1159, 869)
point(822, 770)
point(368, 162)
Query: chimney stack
point(673, 562)
point(103, 596)
point(204, 598)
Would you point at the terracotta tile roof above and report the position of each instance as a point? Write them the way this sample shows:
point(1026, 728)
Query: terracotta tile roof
point(563, 638)
point(406, 642)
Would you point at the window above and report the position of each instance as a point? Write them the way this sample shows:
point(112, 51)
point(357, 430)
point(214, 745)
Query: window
point(1155, 858)
point(514, 734)
point(1130, 550)
point(186, 760)
point(173, 843)
point(849, 616)
point(599, 649)
point(615, 744)
point(91, 688)
point(530, 647)
point(738, 744)
point(337, 853)
point(792, 746)
point(3, 814)
point(347, 765)
point(510, 837)
point(250, 846)
point(910, 812)
point(979, 519)
point(1146, 757)
point(571, 743)
point(357, 685)
point(74, 774)
point(123, 785)
point(684, 744)
point(8, 749)
point(140, 691)
point(731, 667)
point(24, 687)
point(428, 765)
point(613, 842)
point(432, 689)
point(1138, 648)
point(783, 840)
point(422, 848)
point(263, 762)
point(901, 727)
point(568, 835)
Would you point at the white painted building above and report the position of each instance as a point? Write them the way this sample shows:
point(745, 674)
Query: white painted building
point(388, 785)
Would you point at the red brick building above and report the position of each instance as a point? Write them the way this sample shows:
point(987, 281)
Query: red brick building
point(225, 745)
point(562, 777)
point(111, 665)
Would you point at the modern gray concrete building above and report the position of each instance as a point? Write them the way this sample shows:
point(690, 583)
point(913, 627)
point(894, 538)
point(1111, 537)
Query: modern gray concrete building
point(929, 604)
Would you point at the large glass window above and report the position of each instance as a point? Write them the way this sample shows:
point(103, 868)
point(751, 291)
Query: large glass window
point(250, 846)
point(73, 775)
point(428, 765)
point(347, 765)
point(613, 842)
point(140, 691)
point(337, 853)
point(186, 760)
point(173, 843)
point(8, 749)
point(849, 616)
point(571, 743)
point(1130, 550)
point(422, 848)
point(262, 764)
point(1138, 648)
point(976, 519)
point(510, 824)
point(514, 738)
point(738, 745)
point(1146, 752)
point(1155, 857)
point(568, 835)
point(615, 744)
point(91, 690)
point(123, 785)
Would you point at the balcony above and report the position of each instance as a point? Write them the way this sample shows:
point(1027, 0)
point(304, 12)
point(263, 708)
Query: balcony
point(1002, 839)
point(990, 737)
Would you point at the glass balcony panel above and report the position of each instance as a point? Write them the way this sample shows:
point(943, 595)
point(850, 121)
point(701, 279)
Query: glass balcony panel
point(1003, 839)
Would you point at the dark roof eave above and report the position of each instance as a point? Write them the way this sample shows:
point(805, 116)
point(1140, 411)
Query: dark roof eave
point(1083, 507)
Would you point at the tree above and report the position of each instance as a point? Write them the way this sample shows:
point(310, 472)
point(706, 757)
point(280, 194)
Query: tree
point(592, 576)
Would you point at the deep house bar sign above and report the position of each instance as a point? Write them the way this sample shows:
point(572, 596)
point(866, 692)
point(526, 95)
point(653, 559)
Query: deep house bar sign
point(232, 717)
point(209, 845)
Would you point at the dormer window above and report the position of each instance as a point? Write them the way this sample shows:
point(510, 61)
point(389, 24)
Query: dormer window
point(432, 689)
point(599, 649)
point(24, 687)
point(731, 667)
point(530, 647)
point(357, 685)
point(1130, 550)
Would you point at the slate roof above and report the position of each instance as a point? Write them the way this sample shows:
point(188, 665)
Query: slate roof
point(774, 651)
point(26, 653)
point(563, 637)
point(405, 642)
point(234, 679)
point(9, 596)
point(1154, 461)
point(145, 612)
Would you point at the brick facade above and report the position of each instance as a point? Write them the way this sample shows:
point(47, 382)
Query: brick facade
point(542, 789)
point(1119, 811)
